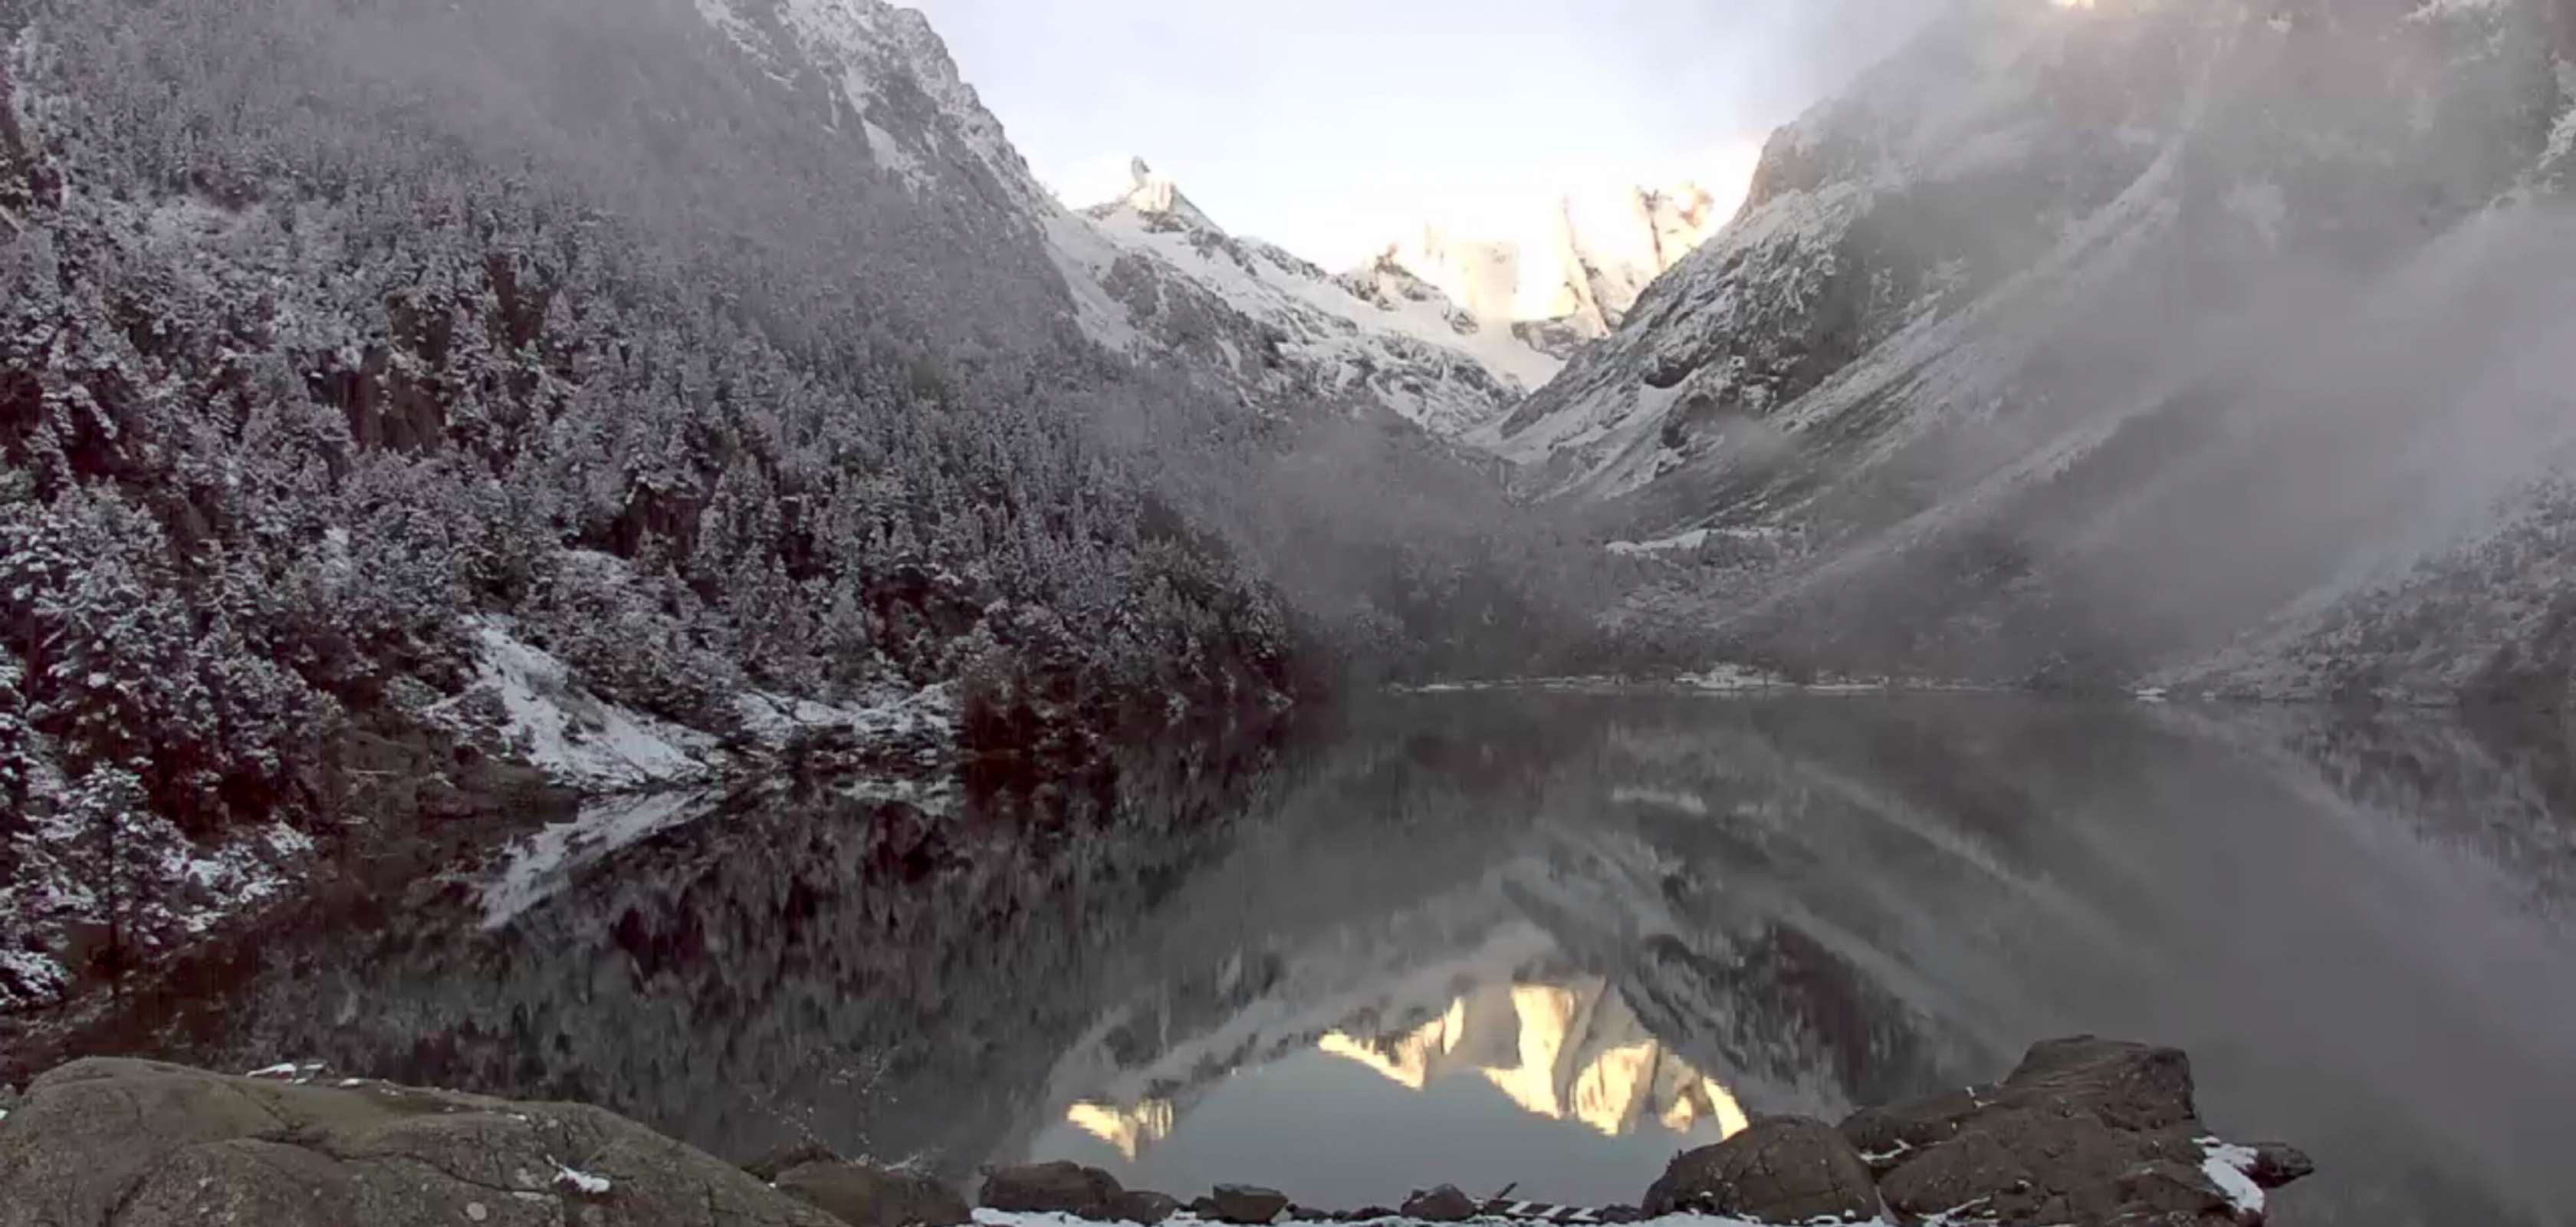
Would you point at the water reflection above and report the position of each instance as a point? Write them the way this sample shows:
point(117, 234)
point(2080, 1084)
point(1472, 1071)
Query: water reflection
point(1554, 1045)
point(1542, 939)
point(1563, 1052)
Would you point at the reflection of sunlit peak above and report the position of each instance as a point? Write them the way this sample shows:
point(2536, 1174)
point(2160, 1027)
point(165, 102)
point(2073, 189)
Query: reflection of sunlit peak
point(1130, 1130)
point(1614, 1086)
point(1406, 1059)
point(1707, 1101)
point(1559, 1052)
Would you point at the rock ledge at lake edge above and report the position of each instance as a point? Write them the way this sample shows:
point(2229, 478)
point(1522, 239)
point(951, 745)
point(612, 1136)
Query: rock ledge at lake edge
point(2084, 1132)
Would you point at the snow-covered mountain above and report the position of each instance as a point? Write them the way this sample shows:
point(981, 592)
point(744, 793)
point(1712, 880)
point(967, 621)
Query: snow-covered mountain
point(1598, 254)
point(1279, 328)
point(2081, 340)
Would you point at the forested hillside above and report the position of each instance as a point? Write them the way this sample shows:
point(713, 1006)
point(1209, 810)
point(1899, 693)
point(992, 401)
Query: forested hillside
point(429, 392)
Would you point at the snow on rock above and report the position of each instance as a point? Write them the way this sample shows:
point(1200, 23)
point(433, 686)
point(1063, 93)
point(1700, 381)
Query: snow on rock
point(580, 1181)
point(2231, 1168)
point(891, 715)
point(558, 726)
point(298, 1072)
point(544, 863)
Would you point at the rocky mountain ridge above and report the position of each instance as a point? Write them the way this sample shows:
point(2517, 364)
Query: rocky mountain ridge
point(2180, 340)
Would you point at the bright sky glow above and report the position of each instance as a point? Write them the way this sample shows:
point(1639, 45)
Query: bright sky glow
point(1336, 127)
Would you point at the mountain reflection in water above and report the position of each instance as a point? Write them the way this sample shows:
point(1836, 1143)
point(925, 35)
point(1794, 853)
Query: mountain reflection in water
point(1543, 938)
point(1558, 1047)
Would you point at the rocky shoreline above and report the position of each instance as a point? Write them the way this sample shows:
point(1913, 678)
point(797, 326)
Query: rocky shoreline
point(2083, 1132)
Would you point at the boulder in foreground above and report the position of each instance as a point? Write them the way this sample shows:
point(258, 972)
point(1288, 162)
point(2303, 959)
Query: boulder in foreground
point(143, 1144)
point(2085, 1132)
point(1061, 1187)
point(1782, 1169)
point(864, 1196)
point(1250, 1205)
point(1445, 1204)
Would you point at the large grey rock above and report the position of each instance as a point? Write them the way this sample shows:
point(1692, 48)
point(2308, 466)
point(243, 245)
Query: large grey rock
point(1061, 1187)
point(2277, 1164)
point(1782, 1169)
point(1247, 1204)
point(1445, 1204)
point(1144, 1206)
point(2087, 1132)
point(864, 1196)
point(783, 1159)
point(143, 1144)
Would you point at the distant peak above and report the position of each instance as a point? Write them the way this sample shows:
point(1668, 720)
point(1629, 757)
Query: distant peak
point(1156, 196)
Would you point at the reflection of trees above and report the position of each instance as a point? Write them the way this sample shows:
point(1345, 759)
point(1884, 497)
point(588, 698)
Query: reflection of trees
point(1588, 902)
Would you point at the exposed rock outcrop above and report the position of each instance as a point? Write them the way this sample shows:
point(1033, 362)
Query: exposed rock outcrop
point(865, 1196)
point(1061, 1187)
point(2084, 1131)
point(1445, 1204)
point(142, 1144)
point(1247, 1204)
point(1784, 1169)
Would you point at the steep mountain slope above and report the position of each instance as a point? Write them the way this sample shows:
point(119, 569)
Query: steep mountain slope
point(1281, 330)
point(405, 405)
point(2081, 340)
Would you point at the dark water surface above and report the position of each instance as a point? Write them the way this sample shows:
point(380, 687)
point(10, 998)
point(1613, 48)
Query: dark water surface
point(1535, 938)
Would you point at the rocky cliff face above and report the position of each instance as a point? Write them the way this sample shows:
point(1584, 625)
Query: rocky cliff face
point(2080, 339)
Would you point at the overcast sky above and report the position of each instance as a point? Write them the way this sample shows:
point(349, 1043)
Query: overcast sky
point(1336, 126)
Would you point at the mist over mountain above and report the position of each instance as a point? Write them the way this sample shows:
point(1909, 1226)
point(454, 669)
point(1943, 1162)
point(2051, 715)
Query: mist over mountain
point(2085, 343)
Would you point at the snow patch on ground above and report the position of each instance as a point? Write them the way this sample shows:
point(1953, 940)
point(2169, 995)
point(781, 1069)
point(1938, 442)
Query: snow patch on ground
point(298, 1072)
point(561, 728)
point(890, 715)
point(545, 862)
point(2230, 1167)
point(41, 977)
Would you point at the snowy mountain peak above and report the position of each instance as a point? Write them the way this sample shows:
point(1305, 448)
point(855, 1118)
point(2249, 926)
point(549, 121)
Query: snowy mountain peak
point(1156, 196)
point(1580, 268)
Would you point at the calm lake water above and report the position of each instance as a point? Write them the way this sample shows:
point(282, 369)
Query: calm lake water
point(1543, 939)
